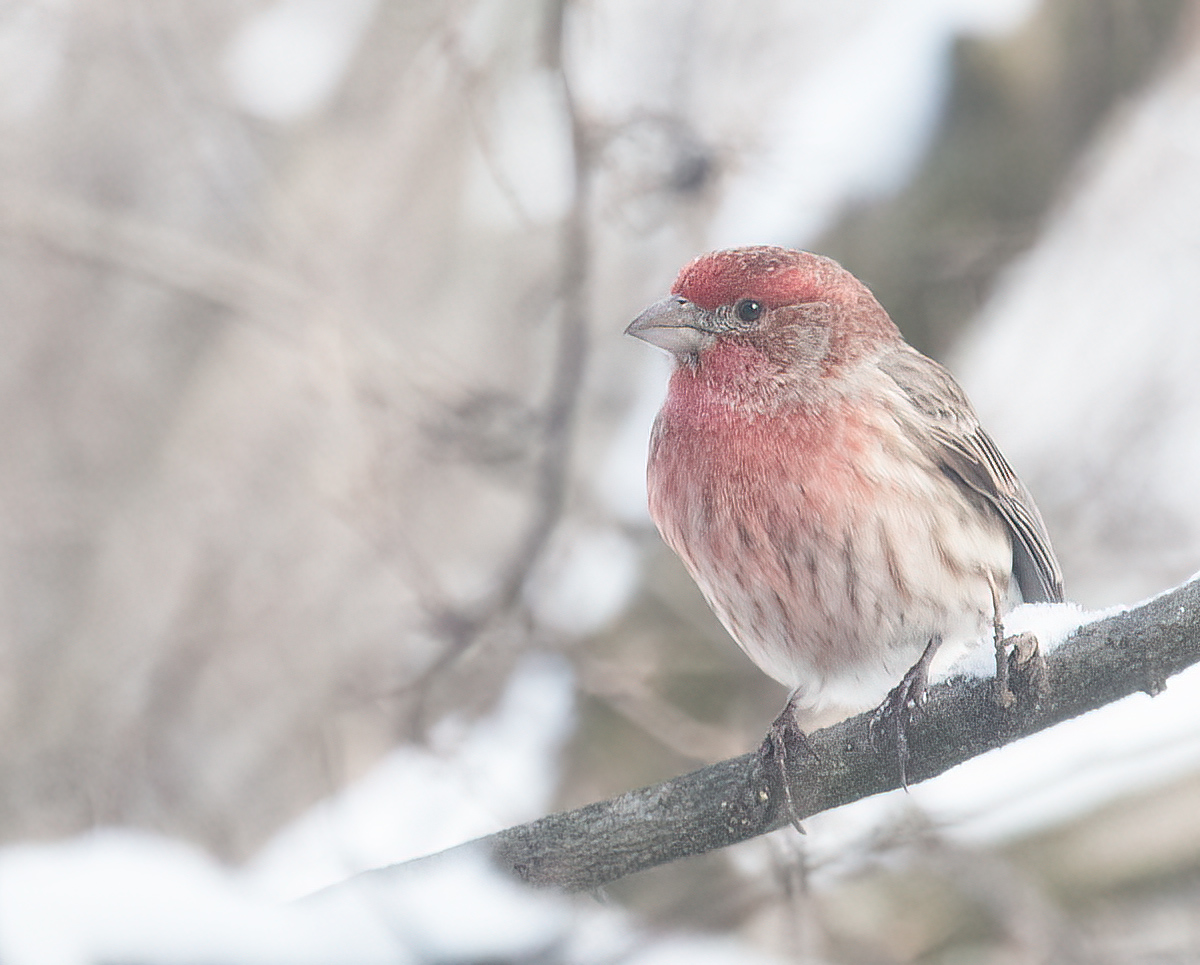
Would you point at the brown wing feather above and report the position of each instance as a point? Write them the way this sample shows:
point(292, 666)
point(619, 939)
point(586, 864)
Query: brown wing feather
point(945, 425)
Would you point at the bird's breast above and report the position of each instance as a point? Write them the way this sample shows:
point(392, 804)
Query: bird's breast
point(829, 547)
point(713, 463)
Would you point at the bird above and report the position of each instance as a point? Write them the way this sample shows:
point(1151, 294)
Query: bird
point(830, 489)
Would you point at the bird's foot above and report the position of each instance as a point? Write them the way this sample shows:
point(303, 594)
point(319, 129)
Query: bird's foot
point(784, 743)
point(901, 707)
point(1020, 671)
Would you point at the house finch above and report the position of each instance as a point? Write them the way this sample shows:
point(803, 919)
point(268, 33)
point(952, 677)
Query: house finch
point(829, 487)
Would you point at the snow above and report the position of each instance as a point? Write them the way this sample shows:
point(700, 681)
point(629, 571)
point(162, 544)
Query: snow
point(117, 895)
point(1035, 784)
point(120, 895)
point(856, 122)
point(288, 58)
point(584, 580)
point(1051, 623)
point(1071, 769)
point(455, 909)
point(499, 771)
point(1083, 364)
point(699, 950)
point(1041, 781)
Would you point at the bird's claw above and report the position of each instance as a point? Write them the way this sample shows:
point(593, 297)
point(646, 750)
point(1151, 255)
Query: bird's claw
point(901, 707)
point(779, 749)
point(1020, 671)
point(897, 712)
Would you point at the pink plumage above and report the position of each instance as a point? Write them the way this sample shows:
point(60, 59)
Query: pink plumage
point(828, 487)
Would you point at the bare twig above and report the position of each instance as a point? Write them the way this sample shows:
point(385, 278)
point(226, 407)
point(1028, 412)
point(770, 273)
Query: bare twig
point(737, 799)
point(563, 400)
point(144, 250)
point(629, 693)
point(462, 627)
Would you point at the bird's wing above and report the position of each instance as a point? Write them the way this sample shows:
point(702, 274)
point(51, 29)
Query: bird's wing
point(945, 426)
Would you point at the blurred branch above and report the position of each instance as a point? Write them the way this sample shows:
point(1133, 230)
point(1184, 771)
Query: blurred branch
point(562, 401)
point(629, 693)
point(557, 415)
point(151, 252)
point(737, 799)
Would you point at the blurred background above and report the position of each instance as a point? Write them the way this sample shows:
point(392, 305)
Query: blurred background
point(321, 452)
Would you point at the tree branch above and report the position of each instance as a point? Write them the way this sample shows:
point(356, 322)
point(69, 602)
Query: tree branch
point(155, 253)
point(558, 413)
point(737, 799)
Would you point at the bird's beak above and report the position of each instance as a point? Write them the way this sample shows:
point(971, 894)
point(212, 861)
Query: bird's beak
point(674, 324)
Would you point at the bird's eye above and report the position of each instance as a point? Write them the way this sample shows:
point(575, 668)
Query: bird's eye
point(748, 310)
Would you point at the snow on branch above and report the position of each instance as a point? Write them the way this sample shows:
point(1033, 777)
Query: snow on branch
point(737, 799)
